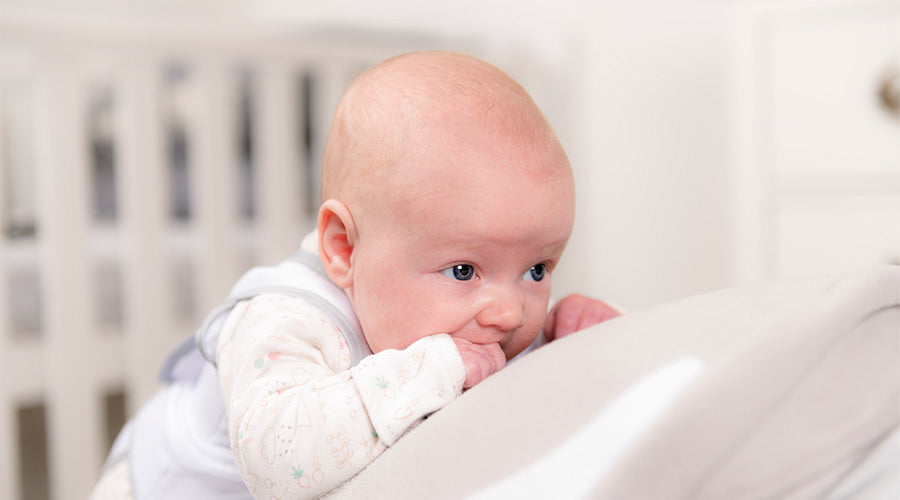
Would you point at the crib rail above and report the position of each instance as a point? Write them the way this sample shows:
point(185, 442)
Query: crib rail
point(74, 357)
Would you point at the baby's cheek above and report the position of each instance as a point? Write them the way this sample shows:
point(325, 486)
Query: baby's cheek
point(389, 331)
point(393, 340)
point(537, 315)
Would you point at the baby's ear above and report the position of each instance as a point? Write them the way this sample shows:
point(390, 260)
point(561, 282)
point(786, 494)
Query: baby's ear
point(337, 235)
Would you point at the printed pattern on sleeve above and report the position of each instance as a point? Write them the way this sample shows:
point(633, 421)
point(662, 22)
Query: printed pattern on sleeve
point(301, 420)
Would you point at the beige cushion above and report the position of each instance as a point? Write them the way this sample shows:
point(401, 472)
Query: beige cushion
point(798, 381)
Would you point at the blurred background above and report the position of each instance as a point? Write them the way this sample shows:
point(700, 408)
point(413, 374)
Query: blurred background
point(150, 151)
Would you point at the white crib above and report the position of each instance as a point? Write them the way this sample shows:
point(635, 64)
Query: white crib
point(143, 167)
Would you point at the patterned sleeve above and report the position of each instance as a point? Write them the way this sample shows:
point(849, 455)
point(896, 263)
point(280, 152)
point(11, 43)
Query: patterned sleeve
point(301, 421)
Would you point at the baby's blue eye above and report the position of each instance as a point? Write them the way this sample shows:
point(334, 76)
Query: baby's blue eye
point(460, 272)
point(536, 273)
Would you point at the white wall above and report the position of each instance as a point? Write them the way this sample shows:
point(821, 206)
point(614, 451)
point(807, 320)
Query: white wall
point(655, 216)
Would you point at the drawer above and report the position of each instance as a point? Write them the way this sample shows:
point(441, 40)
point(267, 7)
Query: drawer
point(836, 234)
point(825, 70)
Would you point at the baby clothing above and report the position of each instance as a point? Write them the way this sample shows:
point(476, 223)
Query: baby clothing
point(302, 419)
point(278, 395)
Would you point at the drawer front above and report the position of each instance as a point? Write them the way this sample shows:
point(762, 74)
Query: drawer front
point(826, 74)
point(836, 235)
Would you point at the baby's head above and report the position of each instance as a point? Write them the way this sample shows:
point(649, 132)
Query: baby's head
point(449, 201)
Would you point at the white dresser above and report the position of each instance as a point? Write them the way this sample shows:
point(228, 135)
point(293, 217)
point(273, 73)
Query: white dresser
point(816, 136)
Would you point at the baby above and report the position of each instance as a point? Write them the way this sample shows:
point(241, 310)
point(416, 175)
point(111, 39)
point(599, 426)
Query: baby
point(448, 204)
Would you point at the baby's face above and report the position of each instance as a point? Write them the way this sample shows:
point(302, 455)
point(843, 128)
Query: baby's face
point(468, 251)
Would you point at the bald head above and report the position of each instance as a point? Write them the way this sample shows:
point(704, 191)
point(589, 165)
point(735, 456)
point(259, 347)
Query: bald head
point(411, 104)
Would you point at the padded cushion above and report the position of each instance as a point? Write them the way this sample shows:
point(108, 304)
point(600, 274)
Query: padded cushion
point(800, 381)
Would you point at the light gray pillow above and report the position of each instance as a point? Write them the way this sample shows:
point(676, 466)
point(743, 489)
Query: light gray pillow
point(788, 387)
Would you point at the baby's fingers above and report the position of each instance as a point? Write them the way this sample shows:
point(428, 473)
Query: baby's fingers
point(480, 364)
point(480, 361)
point(574, 313)
point(498, 357)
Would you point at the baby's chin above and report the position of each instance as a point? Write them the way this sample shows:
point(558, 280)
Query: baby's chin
point(514, 348)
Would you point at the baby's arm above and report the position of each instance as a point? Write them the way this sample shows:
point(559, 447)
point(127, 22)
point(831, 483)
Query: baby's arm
point(300, 420)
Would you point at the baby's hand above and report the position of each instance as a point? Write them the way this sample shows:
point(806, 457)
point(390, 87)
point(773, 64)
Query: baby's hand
point(481, 361)
point(576, 312)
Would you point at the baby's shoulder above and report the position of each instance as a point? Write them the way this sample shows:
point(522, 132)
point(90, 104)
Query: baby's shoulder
point(288, 319)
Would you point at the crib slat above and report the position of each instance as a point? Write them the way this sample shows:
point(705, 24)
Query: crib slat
point(280, 191)
point(73, 416)
point(213, 172)
point(9, 482)
point(9, 456)
point(142, 221)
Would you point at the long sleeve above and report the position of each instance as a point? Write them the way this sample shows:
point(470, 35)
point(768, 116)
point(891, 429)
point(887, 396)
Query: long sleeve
point(301, 420)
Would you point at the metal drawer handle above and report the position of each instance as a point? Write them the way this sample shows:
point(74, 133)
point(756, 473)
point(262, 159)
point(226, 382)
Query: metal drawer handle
point(889, 91)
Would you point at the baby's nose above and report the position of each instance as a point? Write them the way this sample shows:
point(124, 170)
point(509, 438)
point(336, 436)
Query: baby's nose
point(504, 309)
